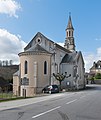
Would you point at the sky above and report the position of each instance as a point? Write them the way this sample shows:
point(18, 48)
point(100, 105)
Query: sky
point(20, 20)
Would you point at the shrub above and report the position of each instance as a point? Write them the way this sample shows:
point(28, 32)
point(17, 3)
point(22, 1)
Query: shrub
point(98, 76)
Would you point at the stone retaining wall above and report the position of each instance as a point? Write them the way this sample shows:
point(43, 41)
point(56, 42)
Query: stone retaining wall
point(97, 81)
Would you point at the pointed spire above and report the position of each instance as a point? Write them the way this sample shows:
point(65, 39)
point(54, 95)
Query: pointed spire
point(69, 42)
point(70, 26)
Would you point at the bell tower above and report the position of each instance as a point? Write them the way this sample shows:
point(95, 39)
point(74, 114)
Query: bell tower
point(69, 41)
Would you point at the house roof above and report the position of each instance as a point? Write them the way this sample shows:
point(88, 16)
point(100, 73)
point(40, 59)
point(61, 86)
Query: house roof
point(37, 35)
point(71, 57)
point(29, 47)
point(62, 48)
point(96, 65)
point(37, 48)
point(68, 58)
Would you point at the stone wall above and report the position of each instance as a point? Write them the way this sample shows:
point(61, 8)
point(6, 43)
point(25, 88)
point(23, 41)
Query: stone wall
point(97, 81)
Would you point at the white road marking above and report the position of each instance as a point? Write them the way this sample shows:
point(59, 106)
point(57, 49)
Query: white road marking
point(71, 101)
point(46, 112)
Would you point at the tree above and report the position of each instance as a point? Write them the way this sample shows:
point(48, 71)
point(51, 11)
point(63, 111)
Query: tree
point(0, 63)
point(11, 62)
point(98, 76)
point(3, 83)
point(60, 77)
point(3, 62)
point(6, 62)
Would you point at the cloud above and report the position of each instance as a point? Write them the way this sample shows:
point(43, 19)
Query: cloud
point(89, 58)
point(98, 39)
point(9, 7)
point(61, 44)
point(10, 46)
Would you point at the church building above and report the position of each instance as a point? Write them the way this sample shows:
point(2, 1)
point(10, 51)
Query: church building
point(42, 57)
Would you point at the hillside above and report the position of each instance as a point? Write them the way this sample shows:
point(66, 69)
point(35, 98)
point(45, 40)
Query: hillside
point(7, 71)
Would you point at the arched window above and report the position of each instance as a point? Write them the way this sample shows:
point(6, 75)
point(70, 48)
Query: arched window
point(69, 33)
point(45, 67)
point(72, 33)
point(26, 67)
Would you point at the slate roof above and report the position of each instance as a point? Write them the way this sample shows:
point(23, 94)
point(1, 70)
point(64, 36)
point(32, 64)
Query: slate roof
point(37, 35)
point(70, 26)
point(37, 48)
point(62, 48)
point(70, 57)
point(31, 48)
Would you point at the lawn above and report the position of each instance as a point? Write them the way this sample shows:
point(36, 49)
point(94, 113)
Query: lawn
point(6, 95)
point(9, 96)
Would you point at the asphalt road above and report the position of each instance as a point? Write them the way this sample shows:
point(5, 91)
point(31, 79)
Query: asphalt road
point(81, 105)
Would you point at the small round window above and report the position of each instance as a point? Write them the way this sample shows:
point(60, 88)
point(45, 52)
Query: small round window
point(38, 40)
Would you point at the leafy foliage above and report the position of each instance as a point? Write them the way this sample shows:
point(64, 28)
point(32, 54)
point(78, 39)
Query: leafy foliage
point(98, 76)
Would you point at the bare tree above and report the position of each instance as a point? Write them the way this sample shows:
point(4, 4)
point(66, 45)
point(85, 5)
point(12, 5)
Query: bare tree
point(0, 63)
point(6, 62)
point(3, 63)
point(11, 62)
point(60, 77)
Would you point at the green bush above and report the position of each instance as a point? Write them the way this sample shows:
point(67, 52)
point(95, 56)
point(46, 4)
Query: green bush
point(98, 76)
